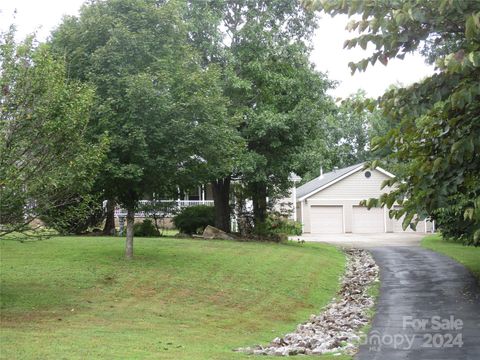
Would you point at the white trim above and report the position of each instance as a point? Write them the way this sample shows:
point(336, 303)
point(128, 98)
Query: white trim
point(361, 167)
point(337, 199)
point(301, 215)
point(343, 219)
point(332, 182)
point(385, 219)
point(384, 172)
point(294, 203)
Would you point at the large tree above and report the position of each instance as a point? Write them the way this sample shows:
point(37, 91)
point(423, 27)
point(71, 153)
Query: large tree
point(160, 107)
point(437, 121)
point(46, 162)
point(344, 138)
point(276, 96)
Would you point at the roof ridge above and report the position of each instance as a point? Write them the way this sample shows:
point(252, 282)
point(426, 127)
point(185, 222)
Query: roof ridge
point(324, 179)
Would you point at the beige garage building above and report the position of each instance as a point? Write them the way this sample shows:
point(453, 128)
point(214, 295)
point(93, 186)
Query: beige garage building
point(329, 204)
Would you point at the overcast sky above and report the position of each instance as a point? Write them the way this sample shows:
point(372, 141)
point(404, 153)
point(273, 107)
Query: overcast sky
point(328, 55)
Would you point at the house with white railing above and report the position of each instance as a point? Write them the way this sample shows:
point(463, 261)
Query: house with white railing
point(166, 208)
point(201, 195)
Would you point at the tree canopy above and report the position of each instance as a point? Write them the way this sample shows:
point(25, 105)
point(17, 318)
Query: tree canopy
point(437, 126)
point(274, 92)
point(46, 162)
point(165, 113)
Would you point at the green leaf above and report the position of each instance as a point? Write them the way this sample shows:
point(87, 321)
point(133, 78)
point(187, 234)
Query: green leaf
point(474, 58)
point(400, 18)
point(407, 220)
point(390, 201)
point(437, 164)
point(352, 67)
point(456, 146)
point(362, 65)
point(443, 6)
point(476, 236)
point(469, 213)
point(363, 42)
point(470, 27)
point(352, 25)
point(371, 202)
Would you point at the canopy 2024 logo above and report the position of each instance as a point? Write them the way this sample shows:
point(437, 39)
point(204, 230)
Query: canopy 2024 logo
point(435, 332)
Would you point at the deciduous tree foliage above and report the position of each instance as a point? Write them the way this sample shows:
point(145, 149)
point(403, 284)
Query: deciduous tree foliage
point(45, 161)
point(163, 111)
point(276, 96)
point(344, 138)
point(437, 136)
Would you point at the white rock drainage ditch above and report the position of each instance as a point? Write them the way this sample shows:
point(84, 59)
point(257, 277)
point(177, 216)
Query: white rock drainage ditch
point(337, 328)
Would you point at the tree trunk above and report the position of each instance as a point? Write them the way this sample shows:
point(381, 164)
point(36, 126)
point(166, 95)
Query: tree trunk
point(259, 197)
point(221, 199)
point(129, 240)
point(109, 228)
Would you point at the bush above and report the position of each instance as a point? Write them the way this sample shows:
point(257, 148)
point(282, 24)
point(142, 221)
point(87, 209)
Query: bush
point(263, 233)
point(76, 216)
point(145, 229)
point(277, 229)
point(280, 225)
point(192, 219)
point(453, 223)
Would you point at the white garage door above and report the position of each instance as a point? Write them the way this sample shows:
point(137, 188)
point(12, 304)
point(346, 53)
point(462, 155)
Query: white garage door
point(368, 221)
point(326, 219)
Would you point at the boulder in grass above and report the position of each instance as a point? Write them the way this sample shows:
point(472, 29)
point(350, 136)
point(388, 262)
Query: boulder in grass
point(212, 232)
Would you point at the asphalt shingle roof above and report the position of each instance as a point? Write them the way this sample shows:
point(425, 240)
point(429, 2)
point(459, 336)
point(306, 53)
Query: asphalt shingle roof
point(320, 181)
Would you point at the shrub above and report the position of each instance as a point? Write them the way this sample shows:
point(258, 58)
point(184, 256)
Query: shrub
point(277, 229)
point(76, 216)
point(280, 225)
point(194, 218)
point(145, 229)
point(263, 233)
point(453, 223)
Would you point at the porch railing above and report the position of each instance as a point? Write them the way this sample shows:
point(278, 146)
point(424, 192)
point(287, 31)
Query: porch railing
point(171, 206)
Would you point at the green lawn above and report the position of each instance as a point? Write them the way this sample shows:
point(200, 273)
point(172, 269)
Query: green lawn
point(466, 255)
point(76, 298)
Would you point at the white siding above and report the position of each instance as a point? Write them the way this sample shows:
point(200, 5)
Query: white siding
point(355, 186)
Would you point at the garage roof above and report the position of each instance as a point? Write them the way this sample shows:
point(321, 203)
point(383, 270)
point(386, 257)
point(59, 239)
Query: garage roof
point(330, 178)
point(324, 179)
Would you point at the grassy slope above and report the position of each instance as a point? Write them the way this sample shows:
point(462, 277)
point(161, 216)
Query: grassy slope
point(77, 298)
point(469, 256)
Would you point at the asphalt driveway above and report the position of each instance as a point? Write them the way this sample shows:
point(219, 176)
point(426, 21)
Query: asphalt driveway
point(429, 305)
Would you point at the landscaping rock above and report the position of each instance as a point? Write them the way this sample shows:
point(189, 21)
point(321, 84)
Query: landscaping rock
point(337, 328)
point(212, 232)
